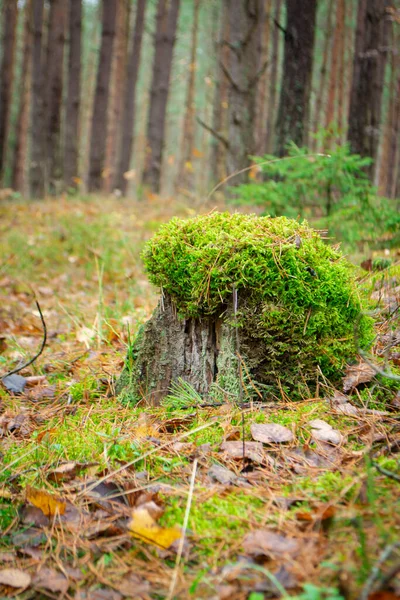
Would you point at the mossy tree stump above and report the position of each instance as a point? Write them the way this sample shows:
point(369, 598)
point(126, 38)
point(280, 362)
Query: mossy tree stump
point(248, 303)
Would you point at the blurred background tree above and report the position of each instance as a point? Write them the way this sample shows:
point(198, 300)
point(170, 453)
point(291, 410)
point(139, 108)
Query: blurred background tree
point(163, 96)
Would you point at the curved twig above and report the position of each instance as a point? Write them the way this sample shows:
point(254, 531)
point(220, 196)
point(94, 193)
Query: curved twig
point(18, 369)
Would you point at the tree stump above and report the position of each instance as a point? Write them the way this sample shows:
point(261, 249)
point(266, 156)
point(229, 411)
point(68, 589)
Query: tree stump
point(250, 306)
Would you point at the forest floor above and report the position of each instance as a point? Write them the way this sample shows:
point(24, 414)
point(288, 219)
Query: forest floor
point(104, 501)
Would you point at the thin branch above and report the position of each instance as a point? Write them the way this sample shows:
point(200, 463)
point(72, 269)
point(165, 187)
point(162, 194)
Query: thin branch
point(216, 134)
point(386, 472)
point(258, 75)
point(32, 360)
point(279, 26)
point(230, 78)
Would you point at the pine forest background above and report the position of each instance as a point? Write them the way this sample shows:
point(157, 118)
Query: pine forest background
point(171, 96)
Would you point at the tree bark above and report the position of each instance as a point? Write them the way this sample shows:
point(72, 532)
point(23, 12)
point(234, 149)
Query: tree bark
point(21, 145)
point(273, 93)
point(54, 91)
point(297, 71)
point(220, 103)
point(322, 75)
point(72, 111)
point(102, 93)
point(262, 97)
point(370, 55)
point(166, 25)
point(243, 73)
point(37, 166)
point(117, 92)
point(129, 109)
point(184, 178)
point(10, 15)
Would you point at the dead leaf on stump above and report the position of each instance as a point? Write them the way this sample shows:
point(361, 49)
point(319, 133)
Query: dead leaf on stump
point(271, 433)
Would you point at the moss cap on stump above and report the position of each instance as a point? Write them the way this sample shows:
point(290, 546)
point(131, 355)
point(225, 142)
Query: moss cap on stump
point(297, 305)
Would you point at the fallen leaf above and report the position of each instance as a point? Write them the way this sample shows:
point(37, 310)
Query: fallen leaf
point(265, 542)
point(357, 374)
point(317, 513)
point(52, 580)
point(49, 505)
point(252, 450)
point(222, 474)
point(271, 433)
point(67, 471)
point(323, 432)
point(15, 578)
point(14, 383)
point(133, 586)
point(103, 594)
point(143, 526)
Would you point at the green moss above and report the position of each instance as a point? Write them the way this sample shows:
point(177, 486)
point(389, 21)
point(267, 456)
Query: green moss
point(297, 298)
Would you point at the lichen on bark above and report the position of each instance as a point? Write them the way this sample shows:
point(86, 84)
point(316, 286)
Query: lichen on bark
point(248, 303)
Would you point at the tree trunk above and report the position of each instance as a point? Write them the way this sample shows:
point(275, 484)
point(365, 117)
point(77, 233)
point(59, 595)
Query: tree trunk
point(102, 93)
point(368, 77)
point(166, 24)
point(54, 90)
point(129, 108)
point(297, 71)
point(262, 96)
point(334, 67)
point(243, 73)
point(71, 143)
point(21, 144)
point(37, 166)
point(273, 94)
point(184, 178)
point(220, 102)
point(117, 92)
point(10, 15)
point(322, 74)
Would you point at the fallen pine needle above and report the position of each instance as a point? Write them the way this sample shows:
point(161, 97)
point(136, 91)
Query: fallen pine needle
point(182, 538)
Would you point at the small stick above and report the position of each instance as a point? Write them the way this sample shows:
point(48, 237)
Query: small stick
point(369, 584)
point(184, 528)
point(18, 369)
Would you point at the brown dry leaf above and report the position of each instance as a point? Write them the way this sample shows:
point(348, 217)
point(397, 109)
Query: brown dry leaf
point(271, 433)
point(52, 580)
point(143, 526)
point(67, 471)
point(265, 542)
point(252, 450)
point(318, 513)
point(323, 432)
point(49, 505)
point(133, 586)
point(15, 578)
point(222, 474)
point(357, 374)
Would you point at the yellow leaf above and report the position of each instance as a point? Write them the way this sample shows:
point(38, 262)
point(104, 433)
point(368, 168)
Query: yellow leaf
point(144, 527)
point(189, 166)
point(197, 153)
point(48, 504)
point(77, 180)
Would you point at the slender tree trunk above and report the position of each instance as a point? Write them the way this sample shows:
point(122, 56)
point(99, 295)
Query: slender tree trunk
point(368, 77)
point(37, 166)
point(262, 97)
point(21, 144)
point(167, 19)
point(394, 119)
point(54, 81)
point(245, 20)
point(100, 107)
point(185, 170)
point(273, 95)
point(297, 71)
point(117, 92)
point(71, 143)
point(341, 70)
point(323, 73)
point(334, 66)
point(129, 108)
point(220, 103)
point(10, 15)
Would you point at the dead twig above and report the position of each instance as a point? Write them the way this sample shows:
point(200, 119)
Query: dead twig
point(32, 360)
point(386, 472)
